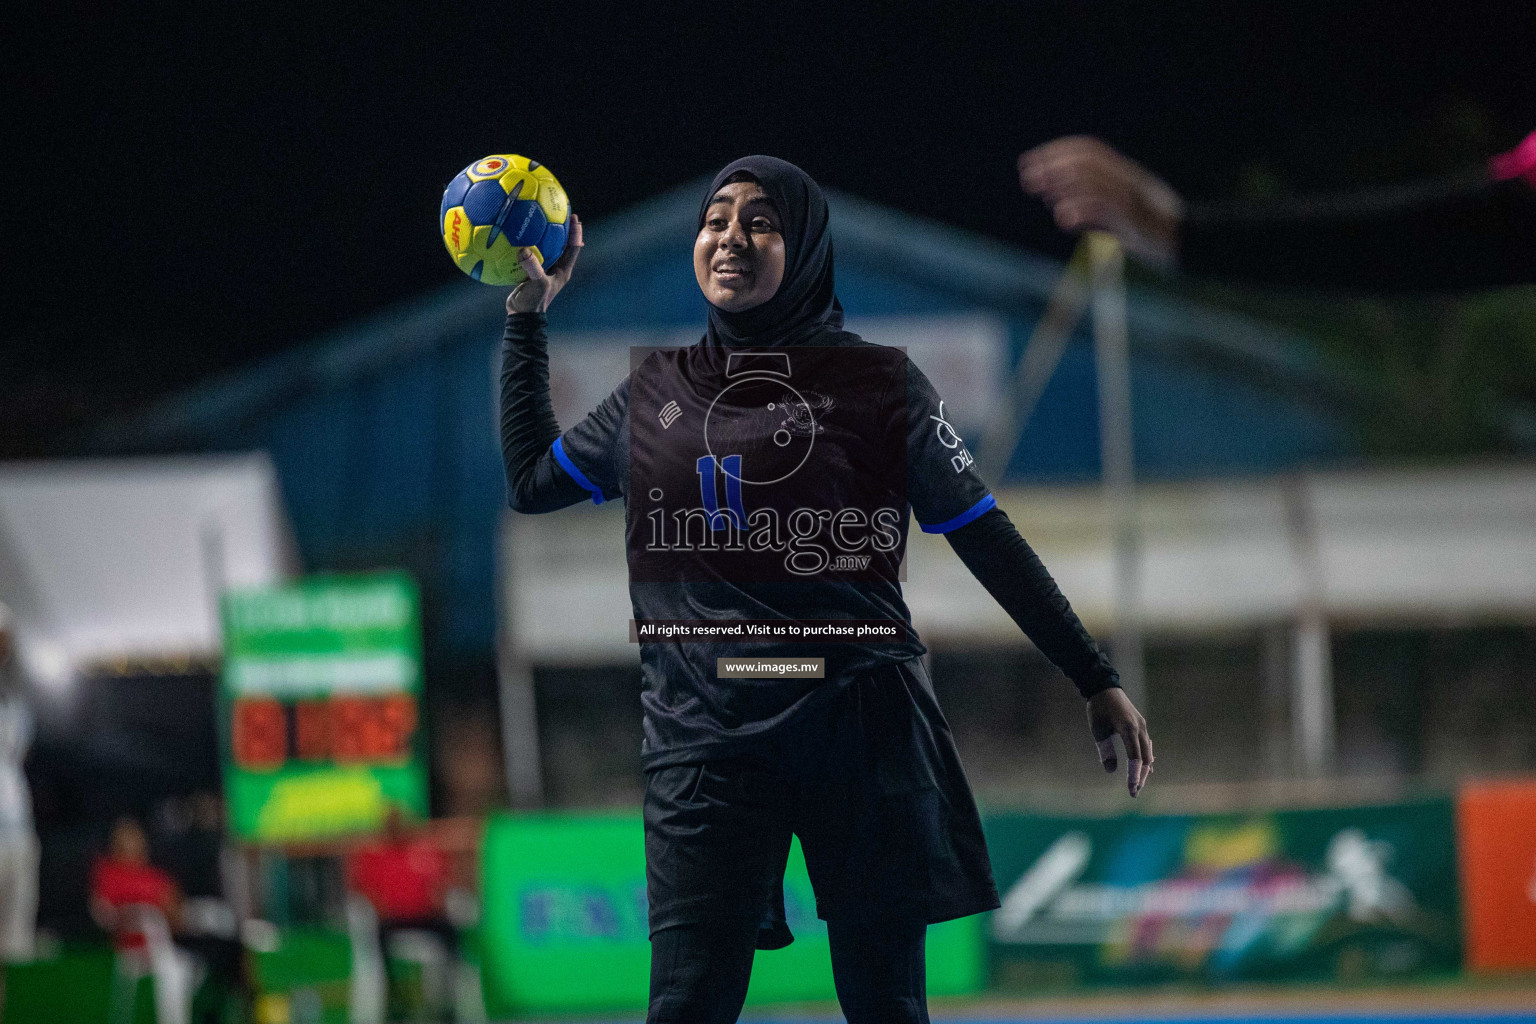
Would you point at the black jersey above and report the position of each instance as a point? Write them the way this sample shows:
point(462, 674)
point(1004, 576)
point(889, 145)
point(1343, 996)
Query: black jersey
point(769, 473)
point(768, 485)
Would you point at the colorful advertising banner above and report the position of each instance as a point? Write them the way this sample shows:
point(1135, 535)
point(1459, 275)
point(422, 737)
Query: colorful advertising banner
point(565, 924)
point(1348, 893)
point(1496, 824)
point(321, 687)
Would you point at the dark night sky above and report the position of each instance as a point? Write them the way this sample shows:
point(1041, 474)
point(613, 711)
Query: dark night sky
point(195, 188)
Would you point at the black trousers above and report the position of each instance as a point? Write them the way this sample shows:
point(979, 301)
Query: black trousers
point(699, 972)
point(871, 783)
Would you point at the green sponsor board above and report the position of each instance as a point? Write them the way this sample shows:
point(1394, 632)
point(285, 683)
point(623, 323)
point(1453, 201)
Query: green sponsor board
point(565, 925)
point(1346, 893)
point(73, 986)
point(320, 700)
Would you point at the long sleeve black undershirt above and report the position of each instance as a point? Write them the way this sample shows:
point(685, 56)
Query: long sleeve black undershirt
point(1004, 563)
point(1463, 232)
point(989, 546)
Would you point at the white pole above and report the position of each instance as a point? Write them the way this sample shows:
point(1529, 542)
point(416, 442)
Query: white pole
point(1111, 348)
point(1312, 711)
point(1312, 664)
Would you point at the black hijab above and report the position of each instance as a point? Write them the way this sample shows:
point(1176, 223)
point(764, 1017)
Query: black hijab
point(805, 306)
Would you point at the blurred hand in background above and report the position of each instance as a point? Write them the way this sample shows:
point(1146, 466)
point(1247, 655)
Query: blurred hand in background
point(1089, 185)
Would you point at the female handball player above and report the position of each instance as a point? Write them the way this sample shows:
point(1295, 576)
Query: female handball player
point(767, 472)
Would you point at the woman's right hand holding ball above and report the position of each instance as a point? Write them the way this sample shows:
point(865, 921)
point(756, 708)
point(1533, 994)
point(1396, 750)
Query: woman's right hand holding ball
point(535, 294)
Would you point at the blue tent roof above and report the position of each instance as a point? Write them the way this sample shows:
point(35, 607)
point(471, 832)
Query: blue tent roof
point(898, 262)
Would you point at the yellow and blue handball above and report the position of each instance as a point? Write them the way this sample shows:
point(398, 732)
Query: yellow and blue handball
point(495, 207)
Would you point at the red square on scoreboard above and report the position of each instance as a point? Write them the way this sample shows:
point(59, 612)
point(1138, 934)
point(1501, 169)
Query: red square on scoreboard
point(1496, 822)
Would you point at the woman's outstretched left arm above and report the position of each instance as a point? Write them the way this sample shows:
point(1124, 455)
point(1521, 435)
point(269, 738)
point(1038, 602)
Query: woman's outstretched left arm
point(1004, 563)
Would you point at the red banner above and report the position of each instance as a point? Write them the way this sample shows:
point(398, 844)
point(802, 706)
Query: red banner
point(1497, 826)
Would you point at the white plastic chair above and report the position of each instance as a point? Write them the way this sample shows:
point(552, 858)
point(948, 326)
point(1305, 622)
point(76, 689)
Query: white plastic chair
point(426, 951)
point(174, 972)
point(448, 984)
point(370, 987)
point(463, 912)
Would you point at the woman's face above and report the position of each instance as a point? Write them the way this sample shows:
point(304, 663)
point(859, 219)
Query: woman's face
point(738, 257)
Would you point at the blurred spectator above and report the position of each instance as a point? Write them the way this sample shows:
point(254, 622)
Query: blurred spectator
point(141, 906)
point(125, 878)
point(1476, 229)
point(18, 837)
point(405, 877)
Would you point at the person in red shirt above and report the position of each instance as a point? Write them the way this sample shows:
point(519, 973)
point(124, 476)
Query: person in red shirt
point(405, 877)
point(125, 878)
point(123, 881)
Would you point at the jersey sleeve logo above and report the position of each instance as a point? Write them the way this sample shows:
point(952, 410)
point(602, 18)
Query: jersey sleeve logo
point(950, 439)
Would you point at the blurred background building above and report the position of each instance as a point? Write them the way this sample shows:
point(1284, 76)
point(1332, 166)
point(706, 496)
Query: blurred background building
point(233, 360)
point(1263, 519)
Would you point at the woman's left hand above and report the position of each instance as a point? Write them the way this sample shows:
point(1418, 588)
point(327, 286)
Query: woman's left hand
point(1111, 714)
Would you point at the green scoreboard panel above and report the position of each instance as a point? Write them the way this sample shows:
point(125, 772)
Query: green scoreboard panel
point(320, 699)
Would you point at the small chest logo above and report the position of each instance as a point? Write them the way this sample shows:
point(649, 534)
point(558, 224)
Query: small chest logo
point(669, 414)
point(803, 412)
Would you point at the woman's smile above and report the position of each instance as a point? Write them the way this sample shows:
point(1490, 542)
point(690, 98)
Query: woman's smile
point(732, 271)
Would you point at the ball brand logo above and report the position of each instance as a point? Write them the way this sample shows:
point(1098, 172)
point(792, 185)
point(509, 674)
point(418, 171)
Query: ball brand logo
point(490, 166)
point(527, 218)
point(458, 219)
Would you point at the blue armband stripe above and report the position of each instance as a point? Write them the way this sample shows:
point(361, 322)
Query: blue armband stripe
point(576, 474)
point(975, 511)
